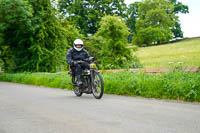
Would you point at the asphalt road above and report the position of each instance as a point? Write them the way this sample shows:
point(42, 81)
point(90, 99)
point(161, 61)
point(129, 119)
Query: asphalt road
point(32, 109)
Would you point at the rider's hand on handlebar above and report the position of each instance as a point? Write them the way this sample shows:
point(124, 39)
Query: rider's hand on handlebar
point(90, 59)
point(77, 62)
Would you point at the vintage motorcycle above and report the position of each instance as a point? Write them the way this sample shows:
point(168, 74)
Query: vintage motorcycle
point(91, 79)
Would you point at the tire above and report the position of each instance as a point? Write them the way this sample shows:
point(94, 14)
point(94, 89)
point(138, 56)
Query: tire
point(98, 86)
point(77, 92)
point(75, 88)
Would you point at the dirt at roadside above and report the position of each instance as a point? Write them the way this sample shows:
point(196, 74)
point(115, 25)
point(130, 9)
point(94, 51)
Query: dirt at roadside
point(153, 70)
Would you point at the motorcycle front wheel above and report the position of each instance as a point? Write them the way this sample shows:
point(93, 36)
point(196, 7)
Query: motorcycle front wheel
point(98, 86)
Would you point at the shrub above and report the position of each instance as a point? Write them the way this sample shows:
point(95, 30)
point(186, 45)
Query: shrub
point(109, 44)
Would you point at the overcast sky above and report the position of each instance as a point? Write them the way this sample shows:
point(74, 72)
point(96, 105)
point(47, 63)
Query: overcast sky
point(190, 22)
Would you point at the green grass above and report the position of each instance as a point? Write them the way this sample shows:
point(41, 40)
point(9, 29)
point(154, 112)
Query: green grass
point(186, 51)
point(173, 85)
point(54, 80)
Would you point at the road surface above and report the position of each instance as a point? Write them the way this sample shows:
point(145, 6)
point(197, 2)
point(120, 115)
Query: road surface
point(32, 109)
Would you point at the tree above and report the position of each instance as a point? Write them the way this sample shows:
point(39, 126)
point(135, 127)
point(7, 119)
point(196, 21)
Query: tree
point(34, 36)
point(52, 37)
point(155, 21)
point(1, 53)
point(49, 44)
point(86, 14)
point(16, 30)
point(132, 16)
point(132, 12)
point(109, 44)
point(178, 8)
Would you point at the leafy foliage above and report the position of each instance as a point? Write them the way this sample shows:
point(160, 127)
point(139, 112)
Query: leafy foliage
point(16, 29)
point(34, 37)
point(132, 12)
point(132, 16)
point(86, 14)
point(50, 41)
point(109, 44)
point(71, 32)
point(155, 22)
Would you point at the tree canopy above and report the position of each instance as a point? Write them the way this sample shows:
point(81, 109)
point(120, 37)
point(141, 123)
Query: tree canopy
point(155, 21)
point(86, 14)
point(34, 37)
point(132, 12)
point(17, 30)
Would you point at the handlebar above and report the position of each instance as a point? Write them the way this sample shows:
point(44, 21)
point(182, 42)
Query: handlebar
point(89, 60)
point(81, 61)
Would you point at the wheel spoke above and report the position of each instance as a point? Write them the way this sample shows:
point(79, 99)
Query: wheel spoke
point(98, 86)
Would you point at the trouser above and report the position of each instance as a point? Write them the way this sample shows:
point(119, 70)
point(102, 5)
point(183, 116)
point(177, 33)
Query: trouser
point(80, 67)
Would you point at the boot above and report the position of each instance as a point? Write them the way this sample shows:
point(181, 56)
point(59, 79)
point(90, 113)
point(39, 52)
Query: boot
point(79, 82)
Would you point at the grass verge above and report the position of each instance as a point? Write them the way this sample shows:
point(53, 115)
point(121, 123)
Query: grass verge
point(173, 85)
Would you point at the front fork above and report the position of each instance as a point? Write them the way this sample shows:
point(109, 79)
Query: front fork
point(74, 80)
point(93, 78)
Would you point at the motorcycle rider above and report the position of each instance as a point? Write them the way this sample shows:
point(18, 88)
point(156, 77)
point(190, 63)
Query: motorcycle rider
point(76, 54)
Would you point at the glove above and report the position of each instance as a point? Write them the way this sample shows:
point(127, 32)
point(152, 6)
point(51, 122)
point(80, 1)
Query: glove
point(75, 63)
point(91, 58)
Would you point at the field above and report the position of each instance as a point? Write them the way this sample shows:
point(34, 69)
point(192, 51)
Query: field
point(186, 52)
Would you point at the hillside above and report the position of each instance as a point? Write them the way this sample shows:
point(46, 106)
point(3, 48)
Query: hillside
point(186, 52)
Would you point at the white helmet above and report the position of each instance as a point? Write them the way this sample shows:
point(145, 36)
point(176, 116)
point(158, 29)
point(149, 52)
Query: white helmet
point(78, 44)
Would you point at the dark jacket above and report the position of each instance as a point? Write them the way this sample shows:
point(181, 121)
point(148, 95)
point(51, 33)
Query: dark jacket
point(74, 55)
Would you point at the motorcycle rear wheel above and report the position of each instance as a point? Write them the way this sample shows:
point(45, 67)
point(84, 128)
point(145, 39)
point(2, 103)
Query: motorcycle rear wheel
point(76, 89)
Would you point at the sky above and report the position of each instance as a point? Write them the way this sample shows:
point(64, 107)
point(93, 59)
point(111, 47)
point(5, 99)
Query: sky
point(190, 22)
